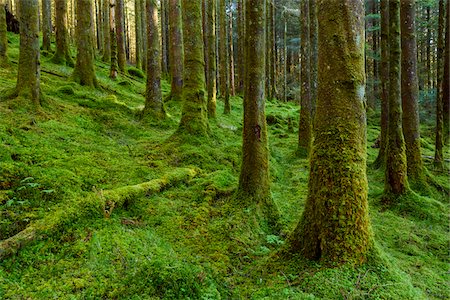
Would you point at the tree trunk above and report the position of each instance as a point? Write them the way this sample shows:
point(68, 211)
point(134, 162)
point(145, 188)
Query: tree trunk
point(46, 25)
point(106, 32)
point(335, 224)
point(4, 61)
point(410, 91)
point(84, 72)
point(396, 182)
point(62, 54)
point(164, 38)
point(176, 52)
point(153, 100)
point(241, 47)
point(120, 33)
point(304, 130)
point(273, 73)
point(269, 49)
point(445, 80)
point(429, 28)
point(210, 33)
point(231, 53)
point(138, 33)
point(384, 79)
point(143, 34)
point(113, 41)
point(438, 154)
point(99, 25)
point(194, 117)
point(224, 74)
point(313, 30)
point(285, 87)
point(254, 180)
point(28, 76)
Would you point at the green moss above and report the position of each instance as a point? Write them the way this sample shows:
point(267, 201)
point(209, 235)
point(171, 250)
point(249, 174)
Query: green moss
point(135, 72)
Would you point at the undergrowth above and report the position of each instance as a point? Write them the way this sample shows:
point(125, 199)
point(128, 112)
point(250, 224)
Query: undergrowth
point(187, 242)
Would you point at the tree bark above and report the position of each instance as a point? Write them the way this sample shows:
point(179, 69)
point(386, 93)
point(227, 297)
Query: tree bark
point(210, 34)
point(106, 32)
point(29, 72)
point(164, 38)
point(304, 130)
point(176, 52)
point(313, 31)
point(438, 154)
point(62, 54)
point(144, 32)
point(396, 182)
point(254, 179)
point(194, 117)
point(46, 25)
point(113, 40)
point(4, 61)
point(335, 224)
point(138, 33)
point(446, 79)
point(224, 70)
point(231, 53)
point(84, 72)
point(153, 100)
point(120, 35)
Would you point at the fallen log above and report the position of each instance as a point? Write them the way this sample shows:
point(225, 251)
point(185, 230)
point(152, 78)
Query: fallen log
point(95, 204)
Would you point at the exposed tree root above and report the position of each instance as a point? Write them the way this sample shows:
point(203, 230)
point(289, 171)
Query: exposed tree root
point(95, 204)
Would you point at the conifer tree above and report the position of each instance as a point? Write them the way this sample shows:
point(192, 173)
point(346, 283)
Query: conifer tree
point(176, 52)
point(62, 54)
point(4, 61)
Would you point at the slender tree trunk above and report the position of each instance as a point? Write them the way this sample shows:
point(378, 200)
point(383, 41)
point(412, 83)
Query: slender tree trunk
point(375, 52)
point(99, 26)
point(429, 28)
point(106, 32)
point(46, 25)
point(273, 74)
point(28, 76)
point(138, 31)
point(445, 80)
point(164, 38)
point(113, 42)
point(313, 31)
point(210, 34)
point(4, 61)
point(285, 86)
point(224, 69)
point(304, 130)
point(62, 54)
point(144, 32)
point(396, 182)
point(176, 52)
point(384, 79)
point(410, 91)
point(438, 154)
point(231, 53)
point(254, 180)
point(241, 47)
point(269, 49)
point(368, 61)
point(120, 35)
point(335, 224)
point(84, 72)
point(126, 34)
point(194, 117)
point(153, 100)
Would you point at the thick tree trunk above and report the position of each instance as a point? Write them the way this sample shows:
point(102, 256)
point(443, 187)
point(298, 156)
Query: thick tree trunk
point(28, 76)
point(62, 54)
point(438, 154)
point(46, 25)
point(384, 79)
point(176, 52)
point(335, 224)
point(396, 182)
point(254, 180)
point(120, 35)
point(138, 33)
point(304, 129)
point(224, 70)
point(84, 72)
point(210, 38)
point(4, 61)
point(194, 117)
point(410, 91)
point(106, 32)
point(153, 100)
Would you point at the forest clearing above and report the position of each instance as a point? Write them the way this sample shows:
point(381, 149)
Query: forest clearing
point(224, 149)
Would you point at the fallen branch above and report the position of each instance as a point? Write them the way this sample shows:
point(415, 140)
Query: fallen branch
point(100, 202)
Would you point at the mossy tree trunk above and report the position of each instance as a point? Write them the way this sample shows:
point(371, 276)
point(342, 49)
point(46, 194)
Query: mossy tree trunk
point(446, 79)
point(138, 33)
point(176, 52)
point(46, 25)
point(194, 117)
point(335, 224)
point(153, 100)
point(120, 35)
point(28, 76)
point(313, 27)
point(410, 92)
point(210, 42)
point(106, 32)
point(4, 61)
point(380, 161)
point(112, 38)
point(144, 32)
point(396, 182)
point(224, 70)
point(62, 54)
point(304, 130)
point(84, 72)
point(254, 179)
point(438, 154)
point(164, 38)
point(241, 47)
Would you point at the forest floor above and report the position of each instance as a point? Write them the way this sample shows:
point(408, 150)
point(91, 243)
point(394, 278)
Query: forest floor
point(183, 242)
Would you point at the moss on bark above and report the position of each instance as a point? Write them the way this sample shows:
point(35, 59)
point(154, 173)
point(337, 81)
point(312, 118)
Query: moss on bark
point(62, 54)
point(120, 35)
point(4, 61)
point(194, 118)
point(176, 52)
point(438, 154)
point(46, 25)
point(106, 32)
point(84, 72)
point(210, 32)
point(335, 224)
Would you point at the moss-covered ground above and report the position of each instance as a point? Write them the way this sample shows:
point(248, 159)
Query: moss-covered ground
point(186, 242)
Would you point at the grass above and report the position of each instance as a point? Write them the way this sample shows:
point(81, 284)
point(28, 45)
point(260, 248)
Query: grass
point(186, 242)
